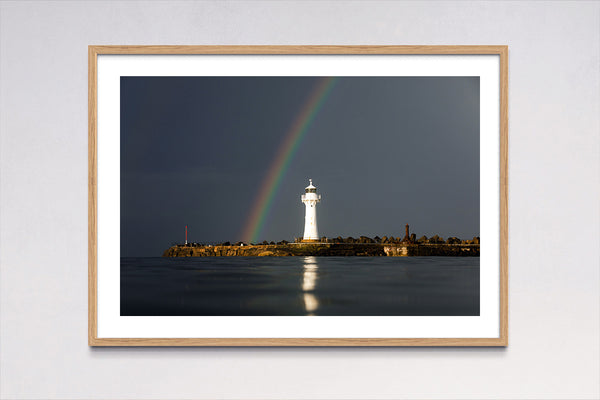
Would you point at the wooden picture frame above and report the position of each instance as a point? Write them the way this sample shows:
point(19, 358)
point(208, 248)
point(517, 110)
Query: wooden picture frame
point(93, 251)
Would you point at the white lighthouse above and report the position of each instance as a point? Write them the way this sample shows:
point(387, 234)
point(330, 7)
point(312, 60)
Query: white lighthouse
point(310, 199)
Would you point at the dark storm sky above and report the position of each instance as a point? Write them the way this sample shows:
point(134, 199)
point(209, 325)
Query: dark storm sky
point(382, 151)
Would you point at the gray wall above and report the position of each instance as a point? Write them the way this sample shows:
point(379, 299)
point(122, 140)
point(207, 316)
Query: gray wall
point(554, 213)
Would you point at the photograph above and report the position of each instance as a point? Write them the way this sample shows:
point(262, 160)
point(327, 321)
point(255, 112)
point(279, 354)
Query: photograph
point(299, 196)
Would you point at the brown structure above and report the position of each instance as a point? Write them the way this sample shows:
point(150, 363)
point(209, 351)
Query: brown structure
point(407, 236)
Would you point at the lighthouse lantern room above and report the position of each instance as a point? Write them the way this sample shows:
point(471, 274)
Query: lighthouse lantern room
point(310, 198)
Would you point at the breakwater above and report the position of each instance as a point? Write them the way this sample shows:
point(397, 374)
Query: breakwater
point(325, 249)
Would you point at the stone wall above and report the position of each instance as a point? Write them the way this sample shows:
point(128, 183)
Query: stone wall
point(325, 249)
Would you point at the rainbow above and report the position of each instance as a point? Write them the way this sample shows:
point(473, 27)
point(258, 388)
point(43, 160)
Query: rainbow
point(283, 158)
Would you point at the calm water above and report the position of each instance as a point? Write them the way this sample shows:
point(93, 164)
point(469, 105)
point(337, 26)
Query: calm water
point(300, 286)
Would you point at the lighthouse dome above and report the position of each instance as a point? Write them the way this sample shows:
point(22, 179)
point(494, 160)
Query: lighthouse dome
point(311, 188)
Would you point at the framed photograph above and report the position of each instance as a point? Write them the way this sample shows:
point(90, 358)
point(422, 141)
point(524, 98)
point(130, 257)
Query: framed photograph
point(298, 196)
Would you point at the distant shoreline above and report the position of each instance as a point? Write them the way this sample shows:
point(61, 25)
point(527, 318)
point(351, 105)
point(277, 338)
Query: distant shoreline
point(325, 249)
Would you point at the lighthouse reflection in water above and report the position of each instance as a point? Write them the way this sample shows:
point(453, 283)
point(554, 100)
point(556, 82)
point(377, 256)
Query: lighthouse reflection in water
point(309, 282)
point(300, 286)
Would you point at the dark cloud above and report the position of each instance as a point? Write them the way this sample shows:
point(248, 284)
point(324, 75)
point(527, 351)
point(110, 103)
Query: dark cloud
point(383, 152)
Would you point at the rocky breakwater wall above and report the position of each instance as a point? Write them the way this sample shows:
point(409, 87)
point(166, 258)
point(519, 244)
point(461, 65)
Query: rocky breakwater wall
point(432, 250)
point(228, 251)
point(325, 249)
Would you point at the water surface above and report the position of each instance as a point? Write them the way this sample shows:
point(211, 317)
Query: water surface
point(333, 286)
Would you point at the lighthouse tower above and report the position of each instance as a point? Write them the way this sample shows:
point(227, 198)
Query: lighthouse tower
point(310, 199)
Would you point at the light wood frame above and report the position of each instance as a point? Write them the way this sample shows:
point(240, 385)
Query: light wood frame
point(94, 51)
